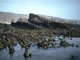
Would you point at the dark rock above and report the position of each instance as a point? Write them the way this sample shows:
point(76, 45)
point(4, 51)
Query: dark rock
point(40, 22)
point(46, 23)
point(26, 54)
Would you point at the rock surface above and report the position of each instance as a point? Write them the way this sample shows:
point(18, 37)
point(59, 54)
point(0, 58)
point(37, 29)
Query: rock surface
point(38, 22)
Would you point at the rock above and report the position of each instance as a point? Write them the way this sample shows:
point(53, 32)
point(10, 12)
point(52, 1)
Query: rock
point(27, 54)
point(72, 57)
point(41, 22)
point(38, 20)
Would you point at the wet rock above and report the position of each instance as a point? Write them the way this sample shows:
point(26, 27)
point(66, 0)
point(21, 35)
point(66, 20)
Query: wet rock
point(77, 45)
point(72, 57)
point(27, 54)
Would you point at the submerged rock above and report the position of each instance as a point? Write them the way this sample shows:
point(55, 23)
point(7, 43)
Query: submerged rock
point(27, 54)
point(72, 57)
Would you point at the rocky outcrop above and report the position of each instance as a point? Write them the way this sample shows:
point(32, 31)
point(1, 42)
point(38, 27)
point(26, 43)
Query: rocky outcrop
point(23, 25)
point(40, 22)
point(35, 19)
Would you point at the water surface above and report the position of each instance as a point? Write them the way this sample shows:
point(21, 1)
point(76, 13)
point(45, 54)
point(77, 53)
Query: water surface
point(59, 53)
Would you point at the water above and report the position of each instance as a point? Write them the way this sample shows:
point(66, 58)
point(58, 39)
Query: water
point(59, 53)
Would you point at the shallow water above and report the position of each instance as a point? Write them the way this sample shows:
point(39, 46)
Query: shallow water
point(59, 53)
